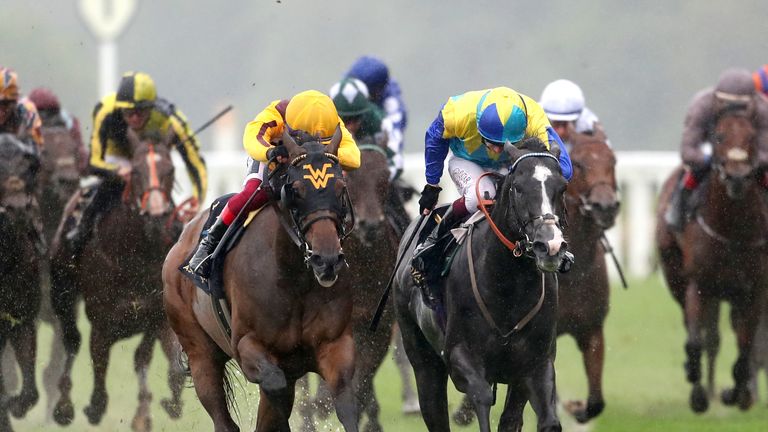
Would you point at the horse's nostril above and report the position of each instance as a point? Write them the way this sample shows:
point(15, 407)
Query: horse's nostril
point(540, 248)
point(564, 246)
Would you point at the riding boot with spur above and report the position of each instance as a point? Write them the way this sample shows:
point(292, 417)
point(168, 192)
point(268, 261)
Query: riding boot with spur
point(200, 263)
point(426, 263)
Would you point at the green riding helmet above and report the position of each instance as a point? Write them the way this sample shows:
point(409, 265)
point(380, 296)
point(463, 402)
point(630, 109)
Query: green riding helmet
point(350, 96)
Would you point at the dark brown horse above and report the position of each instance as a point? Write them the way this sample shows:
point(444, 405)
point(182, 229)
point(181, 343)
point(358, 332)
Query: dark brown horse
point(59, 177)
point(592, 203)
point(118, 276)
point(285, 320)
point(19, 271)
point(720, 256)
point(372, 247)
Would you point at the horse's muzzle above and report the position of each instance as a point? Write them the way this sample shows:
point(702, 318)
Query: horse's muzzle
point(326, 267)
point(548, 247)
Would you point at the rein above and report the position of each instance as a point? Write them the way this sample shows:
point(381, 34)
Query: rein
point(708, 230)
point(481, 304)
point(482, 203)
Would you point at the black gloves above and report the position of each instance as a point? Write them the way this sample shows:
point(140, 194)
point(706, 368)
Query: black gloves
point(277, 151)
point(428, 198)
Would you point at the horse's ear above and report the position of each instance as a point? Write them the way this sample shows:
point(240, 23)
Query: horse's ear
point(333, 147)
point(293, 148)
point(554, 148)
point(512, 151)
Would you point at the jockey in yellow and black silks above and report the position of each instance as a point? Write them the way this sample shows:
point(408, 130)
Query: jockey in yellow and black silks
point(135, 108)
point(309, 111)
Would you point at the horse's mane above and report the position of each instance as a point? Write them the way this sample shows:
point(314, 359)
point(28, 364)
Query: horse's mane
point(533, 144)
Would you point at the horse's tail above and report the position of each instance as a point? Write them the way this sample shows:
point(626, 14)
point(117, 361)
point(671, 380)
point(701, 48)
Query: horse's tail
point(233, 378)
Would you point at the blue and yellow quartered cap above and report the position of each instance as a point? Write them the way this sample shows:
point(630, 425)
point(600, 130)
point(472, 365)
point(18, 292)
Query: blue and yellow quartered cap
point(501, 115)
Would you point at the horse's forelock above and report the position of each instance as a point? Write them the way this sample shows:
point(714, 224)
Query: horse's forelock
point(533, 144)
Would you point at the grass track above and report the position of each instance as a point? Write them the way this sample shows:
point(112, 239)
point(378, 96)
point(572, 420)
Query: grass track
point(644, 382)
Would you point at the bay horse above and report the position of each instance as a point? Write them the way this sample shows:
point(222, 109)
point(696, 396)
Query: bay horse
point(19, 271)
point(118, 277)
point(720, 256)
point(285, 321)
point(502, 329)
point(372, 247)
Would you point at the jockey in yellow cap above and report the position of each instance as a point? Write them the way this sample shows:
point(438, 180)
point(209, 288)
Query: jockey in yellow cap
point(309, 111)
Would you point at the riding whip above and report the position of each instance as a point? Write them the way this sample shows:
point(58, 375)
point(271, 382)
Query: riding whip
point(385, 295)
point(205, 125)
point(609, 249)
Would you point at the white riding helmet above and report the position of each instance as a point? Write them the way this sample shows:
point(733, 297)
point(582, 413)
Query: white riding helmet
point(562, 100)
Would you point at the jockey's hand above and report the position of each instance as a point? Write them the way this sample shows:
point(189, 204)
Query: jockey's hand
point(125, 173)
point(428, 198)
point(280, 153)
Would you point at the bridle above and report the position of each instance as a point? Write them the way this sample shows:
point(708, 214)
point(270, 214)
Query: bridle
point(523, 244)
point(299, 225)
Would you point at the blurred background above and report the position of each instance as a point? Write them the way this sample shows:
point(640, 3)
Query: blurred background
point(638, 63)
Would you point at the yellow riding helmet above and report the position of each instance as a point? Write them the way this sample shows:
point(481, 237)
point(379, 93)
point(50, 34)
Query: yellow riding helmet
point(313, 112)
point(136, 90)
point(9, 84)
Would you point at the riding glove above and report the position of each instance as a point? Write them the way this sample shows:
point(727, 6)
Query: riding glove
point(277, 151)
point(429, 197)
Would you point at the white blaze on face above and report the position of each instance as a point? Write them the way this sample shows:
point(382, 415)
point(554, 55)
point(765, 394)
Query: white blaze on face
point(542, 173)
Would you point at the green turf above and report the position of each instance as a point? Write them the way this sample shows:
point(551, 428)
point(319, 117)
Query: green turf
point(644, 382)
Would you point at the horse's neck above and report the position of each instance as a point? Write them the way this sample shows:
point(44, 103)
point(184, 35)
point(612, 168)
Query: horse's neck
point(734, 218)
point(582, 232)
point(497, 260)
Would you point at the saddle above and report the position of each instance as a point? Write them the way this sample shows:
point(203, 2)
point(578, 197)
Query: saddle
point(214, 285)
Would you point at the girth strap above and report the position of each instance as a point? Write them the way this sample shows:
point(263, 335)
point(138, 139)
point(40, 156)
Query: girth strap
point(481, 304)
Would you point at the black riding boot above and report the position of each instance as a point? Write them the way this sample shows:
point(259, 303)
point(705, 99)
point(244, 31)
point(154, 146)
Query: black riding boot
point(426, 263)
point(677, 211)
point(200, 262)
point(102, 201)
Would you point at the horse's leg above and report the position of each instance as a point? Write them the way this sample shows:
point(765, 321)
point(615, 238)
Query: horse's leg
point(469, 377)
point(322, 403)
point(512, 416)
point(306, 408)
point(431, 376)
point(693, 346)
point(24, 341)
point(64, 301)
point(336, 364)
point(712, 343)
point(5, 419)
point(54, 369)
point(9, 369)
point(543, 396)
point(258, 367)
point(142, 421)
point(275, 409)
point(410, 400)
point(744, 319)
point(592, 346)
point(176, 376)
point(371, 351)
point(101, 342)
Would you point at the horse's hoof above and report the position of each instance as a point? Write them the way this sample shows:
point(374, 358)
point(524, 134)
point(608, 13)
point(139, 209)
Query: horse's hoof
point(372, 426)
point(743, 399)
point(699, 401)
point(172, 408)
point(141, 424)
point(94, 414)
point(19, 405)
point(64, 413)
point(463, 417)
point(411, 407)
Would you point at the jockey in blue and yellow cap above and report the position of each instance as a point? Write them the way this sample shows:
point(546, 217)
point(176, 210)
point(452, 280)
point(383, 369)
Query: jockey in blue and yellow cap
point(475, 126)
